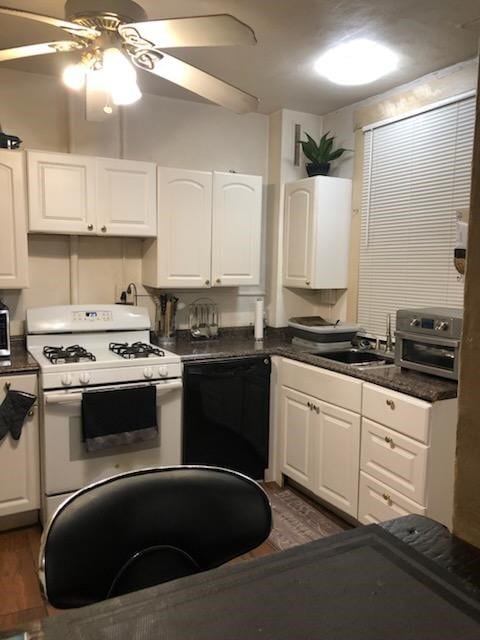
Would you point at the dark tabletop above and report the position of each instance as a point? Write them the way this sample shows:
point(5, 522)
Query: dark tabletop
point(407, 578)
point(240, 342)
point(20, 361)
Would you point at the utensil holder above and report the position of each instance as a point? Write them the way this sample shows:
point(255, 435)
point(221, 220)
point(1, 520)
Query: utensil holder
point(203, 319)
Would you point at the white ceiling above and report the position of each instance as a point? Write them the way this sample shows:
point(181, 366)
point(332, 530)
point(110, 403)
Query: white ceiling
point(291, 34)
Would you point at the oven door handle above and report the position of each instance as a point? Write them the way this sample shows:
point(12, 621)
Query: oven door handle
point(75, 398)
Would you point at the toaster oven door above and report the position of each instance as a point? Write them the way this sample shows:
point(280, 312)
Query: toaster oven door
point(436, 356)
point(4, 333)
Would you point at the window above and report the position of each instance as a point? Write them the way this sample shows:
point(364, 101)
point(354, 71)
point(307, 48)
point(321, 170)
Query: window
point(416, 178)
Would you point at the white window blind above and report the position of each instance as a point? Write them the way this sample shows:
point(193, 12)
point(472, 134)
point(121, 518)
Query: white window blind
point(416, 177)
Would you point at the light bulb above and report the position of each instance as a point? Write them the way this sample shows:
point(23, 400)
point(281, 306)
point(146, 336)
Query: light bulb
point(74, 76)
point(121, 77)
point(356, 62)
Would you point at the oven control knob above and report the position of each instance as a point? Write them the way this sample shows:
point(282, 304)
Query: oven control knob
point(163, 371)
point(442, 325)
point(66, 379)
point(84, 377)
point(415, 322)
point(148, 372)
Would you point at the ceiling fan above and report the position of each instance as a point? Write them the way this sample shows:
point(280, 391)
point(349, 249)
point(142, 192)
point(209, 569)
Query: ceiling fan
point(113, 37)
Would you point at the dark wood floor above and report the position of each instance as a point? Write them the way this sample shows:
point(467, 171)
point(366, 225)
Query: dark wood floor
point(296, 520)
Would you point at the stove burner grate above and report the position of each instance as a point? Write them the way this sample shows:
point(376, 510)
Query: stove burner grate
point(60, 355)
point(134, 350)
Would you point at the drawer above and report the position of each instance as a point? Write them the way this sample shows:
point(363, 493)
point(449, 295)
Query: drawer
point(26, 382)
point(392, 458)
point(377, 502)
point(397, 411)
point(335, 388)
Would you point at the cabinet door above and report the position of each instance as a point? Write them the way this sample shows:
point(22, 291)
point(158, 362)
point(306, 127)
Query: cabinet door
point(298, 235)
point(296, 436)
point(379, 502)
point(336, 452)
point(19, 459)
point(184, 228)
point(13, 212)
point(126, 198)
point(237, 229)
point(61, 190)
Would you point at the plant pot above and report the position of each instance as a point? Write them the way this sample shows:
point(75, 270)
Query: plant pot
point(314, 169)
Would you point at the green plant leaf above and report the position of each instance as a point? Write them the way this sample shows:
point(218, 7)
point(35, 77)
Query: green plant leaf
point(336, 154)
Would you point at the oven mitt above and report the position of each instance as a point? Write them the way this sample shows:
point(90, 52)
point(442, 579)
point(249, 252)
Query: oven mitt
point(13, 411)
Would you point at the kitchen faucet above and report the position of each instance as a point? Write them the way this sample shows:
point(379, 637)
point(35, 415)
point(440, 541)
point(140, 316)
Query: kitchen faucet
point(388, 339)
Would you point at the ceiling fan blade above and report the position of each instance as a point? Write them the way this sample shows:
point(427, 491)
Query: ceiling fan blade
point(70, 27)
point(202, 31)
point(38, 49)
point(195, 80)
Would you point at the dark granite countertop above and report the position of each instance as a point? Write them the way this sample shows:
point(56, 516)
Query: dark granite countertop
point(240, 342)
point(20, 361)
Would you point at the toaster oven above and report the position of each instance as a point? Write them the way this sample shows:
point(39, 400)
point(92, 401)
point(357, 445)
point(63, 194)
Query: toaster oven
point(428, 340)
point(4, 331)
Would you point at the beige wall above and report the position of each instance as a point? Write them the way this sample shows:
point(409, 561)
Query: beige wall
point(347, 125)
point(170, 132)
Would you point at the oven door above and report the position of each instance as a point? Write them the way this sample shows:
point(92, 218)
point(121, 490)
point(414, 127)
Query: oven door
point(436, 356)
point(66, 464)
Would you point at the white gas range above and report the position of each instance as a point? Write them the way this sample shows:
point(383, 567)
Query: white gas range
point(88, 348)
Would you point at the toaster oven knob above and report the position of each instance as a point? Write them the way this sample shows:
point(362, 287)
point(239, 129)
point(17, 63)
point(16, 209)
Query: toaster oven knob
point(66, 380)
point(84, 377)
point(415, 322)
point(442, 326)
point(163, 371)
point(148, 372)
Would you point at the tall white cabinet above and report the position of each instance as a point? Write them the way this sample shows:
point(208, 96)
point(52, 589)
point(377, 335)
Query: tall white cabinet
point(209, 230)
point(13, 219)
point(84, 195)
point(317, 233)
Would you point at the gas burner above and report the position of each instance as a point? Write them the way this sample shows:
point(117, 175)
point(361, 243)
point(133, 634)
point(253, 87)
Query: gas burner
point(74, 353)
point(134, 350)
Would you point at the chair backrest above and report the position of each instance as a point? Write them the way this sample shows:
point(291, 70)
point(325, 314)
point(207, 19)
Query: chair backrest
point(145, 527)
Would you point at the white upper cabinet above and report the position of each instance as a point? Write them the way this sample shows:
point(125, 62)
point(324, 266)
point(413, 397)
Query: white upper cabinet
point(209, 230)
point(181, 255)
point(317, 233)
point(126, 197)
point(13, 221)
point(73, 194)
point(236, 232)
point(61, 193)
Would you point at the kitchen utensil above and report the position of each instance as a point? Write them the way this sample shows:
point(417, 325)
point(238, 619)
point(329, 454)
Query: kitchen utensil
point(203, 319)
point(165, 323)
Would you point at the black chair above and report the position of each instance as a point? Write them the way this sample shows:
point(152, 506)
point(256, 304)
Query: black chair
point(146, 527)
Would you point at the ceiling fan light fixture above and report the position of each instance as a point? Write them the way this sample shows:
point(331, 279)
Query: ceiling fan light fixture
point(356, 62)
point(74, 76)
point(121, 77)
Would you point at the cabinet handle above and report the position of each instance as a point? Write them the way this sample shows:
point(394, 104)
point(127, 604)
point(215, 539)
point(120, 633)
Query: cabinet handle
point(30, 413)
point(309, 405)
point(317, 409)
point(307, 282)
point(7, 386)
point(207, 282)
point(387, 499)
point(218, 281)
point(90, 227)
point(391, 404)
point(390, 441)
point(104, 228)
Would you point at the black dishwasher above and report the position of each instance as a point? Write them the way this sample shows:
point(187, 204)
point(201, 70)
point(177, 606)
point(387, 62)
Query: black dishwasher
point(226, 413)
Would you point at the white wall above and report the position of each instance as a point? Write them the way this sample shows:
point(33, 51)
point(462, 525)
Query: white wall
point(163, 130)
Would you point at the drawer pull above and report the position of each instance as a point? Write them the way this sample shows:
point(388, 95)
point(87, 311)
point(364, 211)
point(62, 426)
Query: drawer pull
point(387, 499)
point(317, 409)
point(30, 413)
point(390, 441)
point(391, 404)
point(7, 386)
point(309, 405)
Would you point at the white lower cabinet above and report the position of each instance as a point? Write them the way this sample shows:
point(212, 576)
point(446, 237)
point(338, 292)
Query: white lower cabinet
point(19, 459)
point(373, 453)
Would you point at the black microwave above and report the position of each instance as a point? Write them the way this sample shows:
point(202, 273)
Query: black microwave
point(4, 331)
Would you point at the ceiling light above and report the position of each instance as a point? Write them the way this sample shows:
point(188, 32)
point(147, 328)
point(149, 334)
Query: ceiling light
point(356, 62)
point(74, 76)
point(121, 77)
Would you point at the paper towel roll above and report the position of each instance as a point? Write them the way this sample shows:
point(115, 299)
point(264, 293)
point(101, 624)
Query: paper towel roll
point(259, 319)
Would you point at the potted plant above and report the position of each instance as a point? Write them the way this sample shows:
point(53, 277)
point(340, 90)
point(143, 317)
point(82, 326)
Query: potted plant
point(321, 154)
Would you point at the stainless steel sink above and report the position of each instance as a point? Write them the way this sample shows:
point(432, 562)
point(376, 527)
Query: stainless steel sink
point(356, 357)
